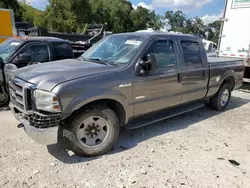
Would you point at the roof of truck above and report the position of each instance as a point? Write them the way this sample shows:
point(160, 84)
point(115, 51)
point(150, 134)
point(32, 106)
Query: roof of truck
point(156, 33)
point(50, 39)
point(38, 38)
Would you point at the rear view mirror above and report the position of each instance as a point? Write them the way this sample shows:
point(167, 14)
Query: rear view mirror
point(146, 65)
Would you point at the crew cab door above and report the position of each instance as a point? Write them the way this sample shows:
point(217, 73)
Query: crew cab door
point(160, 89)
point(29, 54)
point(195, 72)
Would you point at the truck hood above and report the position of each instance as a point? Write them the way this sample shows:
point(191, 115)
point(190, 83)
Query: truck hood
point(46, 76)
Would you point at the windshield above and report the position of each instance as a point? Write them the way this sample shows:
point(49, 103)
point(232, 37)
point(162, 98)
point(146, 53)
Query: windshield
point(8, 47)
point(115, 49)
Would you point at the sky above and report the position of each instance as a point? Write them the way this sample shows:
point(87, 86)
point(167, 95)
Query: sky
point(208, 10)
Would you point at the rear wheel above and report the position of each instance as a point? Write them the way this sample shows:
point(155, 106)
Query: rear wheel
point(221, 100)
point(94, 131)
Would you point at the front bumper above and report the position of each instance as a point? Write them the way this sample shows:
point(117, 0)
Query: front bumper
point(46, 136)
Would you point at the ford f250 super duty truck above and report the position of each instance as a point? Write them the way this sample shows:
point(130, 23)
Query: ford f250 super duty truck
point(125, 80)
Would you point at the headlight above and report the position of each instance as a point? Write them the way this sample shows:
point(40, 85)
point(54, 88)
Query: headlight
point(47, 101)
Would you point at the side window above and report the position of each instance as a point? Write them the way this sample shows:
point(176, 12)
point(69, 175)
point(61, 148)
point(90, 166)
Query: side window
point(191, 52)
point(164, 52)
point(36, 53)
point(62, 51)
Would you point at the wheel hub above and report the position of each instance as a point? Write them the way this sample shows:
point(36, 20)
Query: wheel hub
point(224, 97)
point(92, 130)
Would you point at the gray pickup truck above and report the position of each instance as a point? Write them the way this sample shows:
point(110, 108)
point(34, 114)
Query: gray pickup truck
point(125, 80)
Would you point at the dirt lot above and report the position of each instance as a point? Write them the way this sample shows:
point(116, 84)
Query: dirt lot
point(191, 150)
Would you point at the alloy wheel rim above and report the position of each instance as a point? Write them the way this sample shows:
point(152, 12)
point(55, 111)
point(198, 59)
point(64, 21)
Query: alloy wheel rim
point(224, 97)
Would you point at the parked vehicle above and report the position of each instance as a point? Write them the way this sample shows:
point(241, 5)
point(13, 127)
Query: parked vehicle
point(92, 34)
point(7, 21)
point(20, 52)
point(125, 80)
point(210, 47)
point(234, 36)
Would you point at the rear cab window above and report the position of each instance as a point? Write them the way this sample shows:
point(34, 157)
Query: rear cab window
point(62, 50)
point(191, 53)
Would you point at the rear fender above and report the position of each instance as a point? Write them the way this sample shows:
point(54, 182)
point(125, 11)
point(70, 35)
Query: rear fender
point(227, 74)
point(216, 81)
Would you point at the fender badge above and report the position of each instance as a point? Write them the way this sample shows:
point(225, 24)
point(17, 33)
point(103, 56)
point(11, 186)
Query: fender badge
point(125, 85)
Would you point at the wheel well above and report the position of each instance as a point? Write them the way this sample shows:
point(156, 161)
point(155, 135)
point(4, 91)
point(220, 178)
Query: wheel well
point(230, 81)
point(112, 104)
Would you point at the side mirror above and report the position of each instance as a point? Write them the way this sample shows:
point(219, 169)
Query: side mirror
point(23, 58)
point(146, 65)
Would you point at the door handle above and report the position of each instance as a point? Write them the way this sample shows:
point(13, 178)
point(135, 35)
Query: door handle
point(204, 74)
point(179, 78)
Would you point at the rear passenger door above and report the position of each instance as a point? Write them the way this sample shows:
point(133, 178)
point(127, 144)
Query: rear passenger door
point(194, 74)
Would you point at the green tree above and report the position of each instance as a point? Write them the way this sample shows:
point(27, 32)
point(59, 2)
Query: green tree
point(176, 20)
point(59, 17)
point(82, 13)
point(143, 18)
point(156, 21)
point(213, 31)
point(32, 15)
point(116, 13)
point(140, 18)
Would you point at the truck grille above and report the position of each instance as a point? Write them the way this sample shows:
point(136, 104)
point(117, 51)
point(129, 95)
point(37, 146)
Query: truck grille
point(20, 94)
point(44, 121)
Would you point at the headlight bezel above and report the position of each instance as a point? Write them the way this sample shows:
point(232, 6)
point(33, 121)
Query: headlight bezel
point(52, 101)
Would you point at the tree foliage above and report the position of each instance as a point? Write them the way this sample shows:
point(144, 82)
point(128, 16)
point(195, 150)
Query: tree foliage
point(117, 15)
point(179, 22)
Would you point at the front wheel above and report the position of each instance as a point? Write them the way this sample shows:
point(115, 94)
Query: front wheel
point(221, 100)
point(93, 132)
point(4, 99)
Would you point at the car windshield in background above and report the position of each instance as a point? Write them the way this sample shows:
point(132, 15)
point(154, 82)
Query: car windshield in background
point(8, 47)
point(115, 49)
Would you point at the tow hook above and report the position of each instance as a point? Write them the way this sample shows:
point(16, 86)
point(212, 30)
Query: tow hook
point(20, 125)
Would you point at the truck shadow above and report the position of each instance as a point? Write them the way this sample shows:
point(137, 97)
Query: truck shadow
point(131, 138)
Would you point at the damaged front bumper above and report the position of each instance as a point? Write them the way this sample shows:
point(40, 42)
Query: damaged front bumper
point(41, 128)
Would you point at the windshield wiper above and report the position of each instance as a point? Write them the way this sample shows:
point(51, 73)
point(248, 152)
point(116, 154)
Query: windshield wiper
point(104, 62)
point(98, 60)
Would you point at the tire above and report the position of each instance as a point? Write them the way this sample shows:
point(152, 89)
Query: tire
point(222, 98)
point(4, 99)
point(92, 132)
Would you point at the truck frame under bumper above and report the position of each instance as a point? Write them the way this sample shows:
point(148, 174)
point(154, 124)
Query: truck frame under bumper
point(46, 136)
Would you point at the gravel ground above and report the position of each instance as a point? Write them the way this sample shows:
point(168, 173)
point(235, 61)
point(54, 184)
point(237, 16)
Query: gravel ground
point(191, 150)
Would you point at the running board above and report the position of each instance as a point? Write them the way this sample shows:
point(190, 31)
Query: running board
point(162, 115)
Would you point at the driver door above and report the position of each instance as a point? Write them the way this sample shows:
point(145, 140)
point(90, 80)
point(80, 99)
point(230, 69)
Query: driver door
point(160, 89)
point(32, 53)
